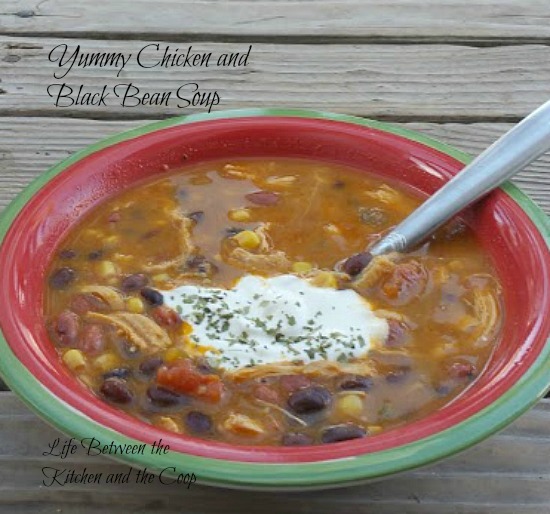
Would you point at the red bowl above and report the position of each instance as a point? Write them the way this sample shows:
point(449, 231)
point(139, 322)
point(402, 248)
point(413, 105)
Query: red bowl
point(509, 226)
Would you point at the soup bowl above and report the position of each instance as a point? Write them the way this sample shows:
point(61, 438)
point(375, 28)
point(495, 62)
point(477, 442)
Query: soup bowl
point(512, 230)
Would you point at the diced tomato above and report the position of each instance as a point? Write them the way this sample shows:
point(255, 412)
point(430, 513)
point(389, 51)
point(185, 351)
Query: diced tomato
point(182, 376)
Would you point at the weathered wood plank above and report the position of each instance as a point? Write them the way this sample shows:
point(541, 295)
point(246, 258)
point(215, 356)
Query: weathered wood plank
point(496, 474)
point(505, 20)
point(28, 146)
point(404, 83)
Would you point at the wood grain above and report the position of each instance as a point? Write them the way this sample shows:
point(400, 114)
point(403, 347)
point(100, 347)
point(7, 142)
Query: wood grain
point(402, 83)
point(29, 146)
point(432, 20)
point(464, 483)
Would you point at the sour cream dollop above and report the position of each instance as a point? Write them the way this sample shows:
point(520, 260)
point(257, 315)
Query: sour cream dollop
point(284, 318)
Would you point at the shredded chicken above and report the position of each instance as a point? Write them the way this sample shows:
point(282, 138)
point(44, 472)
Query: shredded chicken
point(314, 369)
point(106, 294)
point(139, 329)
point(263, 260)
point(183, 226)
point(379, 266)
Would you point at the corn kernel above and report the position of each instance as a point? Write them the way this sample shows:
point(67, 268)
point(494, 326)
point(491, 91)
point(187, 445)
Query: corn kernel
point(86, 380)
point(350, 405)
point(332, 229)
point(168, 424)
point(248, 239)
point(239, 215)
point(161, 277)
point(173, 354)
point(135, 305)
point(74, 359)
point(301, 267)
point(186, 328)
point(325, 279)
point(374, 429)
point(111, 241)
point(106, 269)
point(106, 362)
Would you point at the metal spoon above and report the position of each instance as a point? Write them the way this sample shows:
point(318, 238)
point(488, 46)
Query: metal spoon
point(516, 149)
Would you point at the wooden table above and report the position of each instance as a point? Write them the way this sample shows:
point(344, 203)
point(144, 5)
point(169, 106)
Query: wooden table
point(459, 72)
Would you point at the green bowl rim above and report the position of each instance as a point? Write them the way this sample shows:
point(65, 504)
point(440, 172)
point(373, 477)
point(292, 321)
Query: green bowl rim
point(520, 397)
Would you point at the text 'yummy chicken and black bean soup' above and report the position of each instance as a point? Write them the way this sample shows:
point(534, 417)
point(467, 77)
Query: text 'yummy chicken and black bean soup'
point(207, 304)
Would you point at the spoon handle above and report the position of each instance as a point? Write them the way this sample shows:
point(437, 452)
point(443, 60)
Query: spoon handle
point(517, 148)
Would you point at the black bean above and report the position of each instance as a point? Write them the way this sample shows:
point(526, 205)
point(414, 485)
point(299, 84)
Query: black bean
point(62, 277)
point(443, 389)
point(373, 216)
point(356, 383)
point(67, 254)
point(150, 365)
point(356, 263)
point(198, 422)
point(343, 432)
point(116, 390)
point(296, 439)
point(152, 296)
point(196, 216)
point(95, 255)
point(134, 282)
point(199, 264)
point(204, 367)
point(162, 397)
point(232, 231)
point(118, 373)
point(309, 399)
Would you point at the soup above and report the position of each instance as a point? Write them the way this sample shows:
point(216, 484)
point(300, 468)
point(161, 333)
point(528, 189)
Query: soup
point(207, 303)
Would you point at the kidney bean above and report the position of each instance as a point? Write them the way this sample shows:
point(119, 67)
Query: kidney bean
point(291, 383)
point(123, 373)
point(356, 263)
point(67, 327)
point(343, 432)
point(356, 383)
point(67, 254)
point(373, 216)
point(134, 282)
point(82, 303)
point(162, 397)
point(165, 316)
point(296, 439)
point(62, 277)
point(309, 399)
point(150, 365)
point(92, 340)
point(462, 370)
point(152, 296)
point(397, 334)
point(263, 198)
point(114, 217)
point(116, 390)
point(196, 216)
point(198, 422)
point(95, 255)
point(266, 394)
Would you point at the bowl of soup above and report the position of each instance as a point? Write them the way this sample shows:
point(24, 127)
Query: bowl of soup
point(185, 284)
